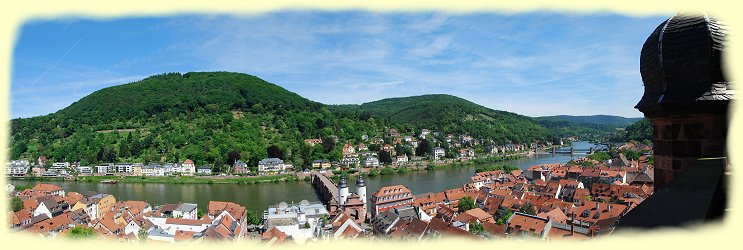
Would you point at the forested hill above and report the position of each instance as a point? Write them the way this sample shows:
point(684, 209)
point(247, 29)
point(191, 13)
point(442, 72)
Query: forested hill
point(595, 127)
point(171, 117)
point(639, 131)
point(450, 114)
point(215, 117)
point(616, 121)
point(168, 95)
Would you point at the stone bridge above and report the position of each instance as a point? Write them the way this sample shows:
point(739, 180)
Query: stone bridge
point(326, 189)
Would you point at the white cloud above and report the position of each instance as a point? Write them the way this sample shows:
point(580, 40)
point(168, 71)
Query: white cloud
point(532, 64)
point(428, 49)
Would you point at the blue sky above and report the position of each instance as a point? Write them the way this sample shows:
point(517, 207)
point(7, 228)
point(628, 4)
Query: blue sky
point(531, 63)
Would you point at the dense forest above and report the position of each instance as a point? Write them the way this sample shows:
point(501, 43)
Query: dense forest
point(450, 114)
point(593, 128)
point(212, 118)
point(218, 117)
point(639, 131)
point(615, 121)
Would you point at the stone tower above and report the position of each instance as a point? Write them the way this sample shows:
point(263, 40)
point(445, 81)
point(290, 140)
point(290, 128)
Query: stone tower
point(361, 189)
point(687, 93)
point(342, 191)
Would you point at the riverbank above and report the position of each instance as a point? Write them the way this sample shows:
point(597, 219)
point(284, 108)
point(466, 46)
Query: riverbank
point(245, 180)
point(402, 170)
point(171, 179)
point(477, 161)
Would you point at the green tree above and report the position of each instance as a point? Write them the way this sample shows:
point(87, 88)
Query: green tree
point(81, 233)
point(466, 203)
point(599, 156)
point(253, 218)
point(16, 204)
point(232, 157)
point(528, 208)
point(384, 157)
point(274, 152)
point(424, 148)
point(327, 144)
point(142, 235)
point(476, 228)
point(631, 154)
point(503, 219)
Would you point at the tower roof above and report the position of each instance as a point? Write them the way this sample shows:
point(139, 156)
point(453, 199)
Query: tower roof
point(342, 183)
point(360, 181)
point(681, 63)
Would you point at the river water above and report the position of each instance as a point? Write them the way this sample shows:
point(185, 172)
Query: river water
point(257, 197)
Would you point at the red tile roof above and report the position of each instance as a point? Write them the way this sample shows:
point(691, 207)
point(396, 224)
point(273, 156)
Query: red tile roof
point(274, 232)
point(523, 222)
point(390, 190)
point(235, 210)
point(42, 187)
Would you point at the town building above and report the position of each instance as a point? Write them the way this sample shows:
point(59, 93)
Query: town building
point(185, 211)
point(124, 167)
point(371, 162)
point(437, 153)
point(137, 169)
point(390, 197)
point(84, 170)
point(240, 167)
point(343, 226)
point(349, 161)
point(526, 225)
point(48, 189)
point(104, 168)
point(348, 149)
point(320, 164)
point(401, 160)
point(188, 168)
point(424, 133)
point(17, 168)
point(313, 142)
point(96, 206)
point(270, 165)
point(300, 221)
point(204, 170)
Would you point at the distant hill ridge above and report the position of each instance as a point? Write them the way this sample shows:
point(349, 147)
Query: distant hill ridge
point(593, 119)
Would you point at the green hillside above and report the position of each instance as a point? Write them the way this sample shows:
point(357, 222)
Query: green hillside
point(639, 131)
point(217, 117)
point(595, 127)
point(171, 117)
point(450, 114)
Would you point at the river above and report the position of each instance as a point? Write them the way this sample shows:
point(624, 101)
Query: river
point(257, 197)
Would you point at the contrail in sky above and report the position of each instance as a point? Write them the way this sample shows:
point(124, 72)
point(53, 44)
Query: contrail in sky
point(59, 60)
